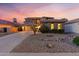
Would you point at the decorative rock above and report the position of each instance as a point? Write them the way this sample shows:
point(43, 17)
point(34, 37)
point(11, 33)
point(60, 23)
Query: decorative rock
point(49, 45)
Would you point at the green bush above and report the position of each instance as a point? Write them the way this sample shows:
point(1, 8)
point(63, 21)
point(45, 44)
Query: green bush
point(57, 31)
point(76, 41)
point(44, 29)
point(60, 31)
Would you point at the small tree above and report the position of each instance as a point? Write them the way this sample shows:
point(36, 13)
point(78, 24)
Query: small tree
point(35, 28)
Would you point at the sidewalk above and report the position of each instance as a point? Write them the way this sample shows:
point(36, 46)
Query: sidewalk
point(7, 43)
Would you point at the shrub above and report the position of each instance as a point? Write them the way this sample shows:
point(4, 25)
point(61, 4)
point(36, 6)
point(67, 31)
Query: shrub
point(19, 28)
point(61, 31)
point(57, 31)
point(44, 29)
point(76, 41)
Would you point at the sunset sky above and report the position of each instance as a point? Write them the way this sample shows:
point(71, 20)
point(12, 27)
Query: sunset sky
point(21, 10)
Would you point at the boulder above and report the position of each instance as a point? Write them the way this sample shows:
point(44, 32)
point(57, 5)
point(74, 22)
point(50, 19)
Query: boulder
point(49, 45)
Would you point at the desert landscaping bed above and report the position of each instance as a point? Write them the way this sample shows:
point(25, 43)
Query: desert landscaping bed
point(47, 43)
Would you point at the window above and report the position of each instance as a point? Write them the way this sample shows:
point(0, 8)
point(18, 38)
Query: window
point(59, 26)
point(52, 26)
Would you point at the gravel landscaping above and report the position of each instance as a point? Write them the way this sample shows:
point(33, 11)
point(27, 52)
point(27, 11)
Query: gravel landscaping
point(48, 43)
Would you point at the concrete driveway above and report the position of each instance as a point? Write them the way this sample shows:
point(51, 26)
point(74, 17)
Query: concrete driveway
point(8, 42)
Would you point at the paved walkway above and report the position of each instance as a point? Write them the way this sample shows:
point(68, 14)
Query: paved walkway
point(7, 43)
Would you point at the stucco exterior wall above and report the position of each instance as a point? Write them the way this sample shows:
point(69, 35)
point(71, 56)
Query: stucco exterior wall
point(9, 28)
point(5, 25)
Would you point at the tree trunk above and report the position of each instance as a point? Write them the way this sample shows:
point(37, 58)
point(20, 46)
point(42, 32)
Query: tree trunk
point(34, 32)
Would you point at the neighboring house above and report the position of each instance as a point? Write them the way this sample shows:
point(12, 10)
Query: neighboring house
point(72, 26)
point(7, 26)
